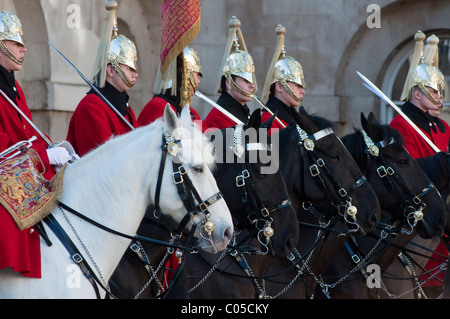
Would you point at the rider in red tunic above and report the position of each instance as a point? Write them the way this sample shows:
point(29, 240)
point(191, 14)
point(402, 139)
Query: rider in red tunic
point(284, 86)
point(424, 93)
point(94, 122)
point(154, 109)
point(19, 250)
point(237, 81)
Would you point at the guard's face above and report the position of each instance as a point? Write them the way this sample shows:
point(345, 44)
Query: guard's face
point(428, 105)
point(283, 95)
point(244, 85)
point(18, 50)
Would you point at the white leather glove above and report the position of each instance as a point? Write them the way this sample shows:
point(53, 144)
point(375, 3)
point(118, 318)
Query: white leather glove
point(58, 156)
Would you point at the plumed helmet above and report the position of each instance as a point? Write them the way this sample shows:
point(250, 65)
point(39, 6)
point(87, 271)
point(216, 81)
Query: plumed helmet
point(240, 63)
point(113, 49)
point(236, 59)
point(290, 70)
point(427, 75)
point(283, 68)
point(423, 71)
point(10, 27)
point(192, 61)
point(122, 51)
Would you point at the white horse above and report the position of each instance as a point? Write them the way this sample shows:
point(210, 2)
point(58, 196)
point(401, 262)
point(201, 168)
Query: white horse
point(113, 185)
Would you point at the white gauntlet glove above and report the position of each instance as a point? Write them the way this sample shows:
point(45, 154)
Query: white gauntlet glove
point(58, 156)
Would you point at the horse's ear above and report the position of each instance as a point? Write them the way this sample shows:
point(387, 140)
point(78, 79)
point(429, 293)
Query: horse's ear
point(370, 126)
point(268, 123)
point(170, 117)
point(372, 118)
point(255, 119)
point(364, 121)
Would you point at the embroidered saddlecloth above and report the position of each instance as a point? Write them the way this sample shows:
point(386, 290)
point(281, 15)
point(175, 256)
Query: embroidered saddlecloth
point(24, 192)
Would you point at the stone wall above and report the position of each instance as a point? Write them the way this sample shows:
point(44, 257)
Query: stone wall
point(329, 37)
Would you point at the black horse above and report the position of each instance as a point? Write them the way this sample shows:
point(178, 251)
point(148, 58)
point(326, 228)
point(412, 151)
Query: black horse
point(293, 276)
point(409, 200)
point(304, 154)
point(260, 206)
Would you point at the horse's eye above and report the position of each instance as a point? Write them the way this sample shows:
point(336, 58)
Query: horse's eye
point(198, 169)
point(334, 156)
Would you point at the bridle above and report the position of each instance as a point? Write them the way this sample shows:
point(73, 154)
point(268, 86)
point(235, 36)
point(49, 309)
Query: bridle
point(339, 196)
point(411, 204)
point(258, 213)
point(185, 189)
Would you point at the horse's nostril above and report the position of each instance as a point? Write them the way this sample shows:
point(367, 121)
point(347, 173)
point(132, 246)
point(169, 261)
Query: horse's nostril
point(290, 244)
point(228, 233)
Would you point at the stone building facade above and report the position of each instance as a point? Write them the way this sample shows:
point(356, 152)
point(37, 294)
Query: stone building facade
point(331, 38)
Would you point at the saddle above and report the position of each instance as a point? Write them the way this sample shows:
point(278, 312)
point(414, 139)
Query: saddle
point(24, 192)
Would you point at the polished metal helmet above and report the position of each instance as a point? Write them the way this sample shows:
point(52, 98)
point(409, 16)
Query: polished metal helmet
point(122, 51)
point(192, 64)
point(240, 63)
point(423, 71)
point(289, 70)
point(283, 68)
point(236, 59)
point(427, 75)
point(192, 61)
point(10, 27)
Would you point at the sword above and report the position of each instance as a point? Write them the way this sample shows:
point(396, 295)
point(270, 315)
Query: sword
point(380, 94)
point(218, 107)
point(268, 110)
point(44, 137)
point(92, 86)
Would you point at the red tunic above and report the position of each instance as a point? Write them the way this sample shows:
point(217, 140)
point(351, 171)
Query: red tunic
point(20, 249)
point(265, 116)
point(154, 109)
point(93, 123)
point(417, 148)
point(218, 120)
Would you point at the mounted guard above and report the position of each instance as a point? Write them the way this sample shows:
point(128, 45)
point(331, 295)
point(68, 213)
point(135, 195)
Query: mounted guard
point(115, 72)
point(236, 83)
point(28, 161)
point(284, 86)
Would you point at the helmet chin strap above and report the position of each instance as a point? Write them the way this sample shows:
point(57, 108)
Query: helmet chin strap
point(9, 53)
point(122, 75)
point(290, 92)
point(237, 87)
point(428, 95)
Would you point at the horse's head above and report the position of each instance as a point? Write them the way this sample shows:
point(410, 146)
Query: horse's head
point(321, 171)
point(187, 171)
point(253, 187)
point(403, 188)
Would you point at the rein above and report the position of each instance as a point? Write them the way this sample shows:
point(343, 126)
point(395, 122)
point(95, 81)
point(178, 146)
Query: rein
point(185, 190)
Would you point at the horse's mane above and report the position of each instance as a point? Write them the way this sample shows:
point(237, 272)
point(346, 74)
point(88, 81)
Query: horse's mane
point(320, 121)
point(436, 167)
